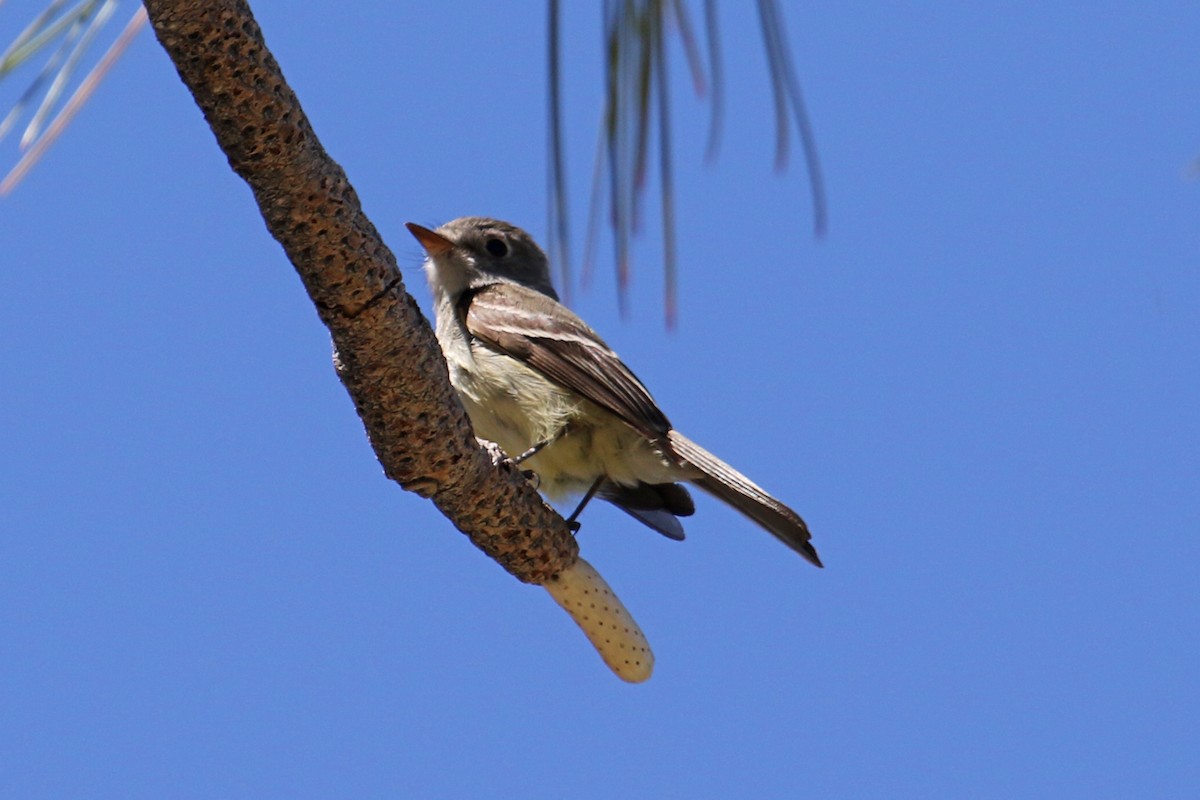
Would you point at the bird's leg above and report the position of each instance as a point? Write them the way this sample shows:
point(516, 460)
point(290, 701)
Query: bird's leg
point(537, 448)
point(572, 522)
point(499, 457)
point(533, 451)
point(531, 475)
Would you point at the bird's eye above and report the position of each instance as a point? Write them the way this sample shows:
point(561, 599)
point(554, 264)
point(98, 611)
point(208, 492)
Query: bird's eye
point(496, 247)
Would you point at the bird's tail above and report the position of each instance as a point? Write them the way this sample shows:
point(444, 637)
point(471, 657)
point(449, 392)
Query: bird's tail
point(736, 490)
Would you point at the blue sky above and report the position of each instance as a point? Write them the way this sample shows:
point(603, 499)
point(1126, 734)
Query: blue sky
point(980, 390)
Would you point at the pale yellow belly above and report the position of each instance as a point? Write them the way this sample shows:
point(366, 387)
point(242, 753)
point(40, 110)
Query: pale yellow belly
point(517, 408)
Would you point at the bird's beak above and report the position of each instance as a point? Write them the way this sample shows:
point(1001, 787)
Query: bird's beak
point(434, 243)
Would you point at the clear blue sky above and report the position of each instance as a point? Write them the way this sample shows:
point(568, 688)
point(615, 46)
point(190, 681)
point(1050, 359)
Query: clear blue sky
point(981, 391)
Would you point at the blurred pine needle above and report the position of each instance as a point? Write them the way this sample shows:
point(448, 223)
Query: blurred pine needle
point(637, 98)
point(63, 36)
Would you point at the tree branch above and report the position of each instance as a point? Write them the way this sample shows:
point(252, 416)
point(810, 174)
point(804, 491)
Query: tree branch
point(387, 355)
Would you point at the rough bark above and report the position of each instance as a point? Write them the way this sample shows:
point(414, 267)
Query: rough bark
point(387, 355)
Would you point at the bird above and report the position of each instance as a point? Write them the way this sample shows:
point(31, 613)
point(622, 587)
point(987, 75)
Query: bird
point(536, 380)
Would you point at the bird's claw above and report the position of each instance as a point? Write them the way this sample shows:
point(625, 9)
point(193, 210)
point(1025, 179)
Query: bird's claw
point(498, 456)
point(495, 451)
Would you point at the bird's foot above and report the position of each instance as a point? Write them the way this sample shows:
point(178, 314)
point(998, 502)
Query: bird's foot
point(498, 456)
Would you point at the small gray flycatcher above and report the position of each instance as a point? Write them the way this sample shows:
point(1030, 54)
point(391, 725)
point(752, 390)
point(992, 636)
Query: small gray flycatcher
point(540, 383)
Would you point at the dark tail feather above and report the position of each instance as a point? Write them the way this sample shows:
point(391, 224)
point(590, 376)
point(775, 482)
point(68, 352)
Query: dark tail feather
point(733, 488)
point(654, 505)
point(658, 520)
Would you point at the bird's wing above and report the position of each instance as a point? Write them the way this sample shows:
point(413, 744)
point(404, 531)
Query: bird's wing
point(546, 336)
